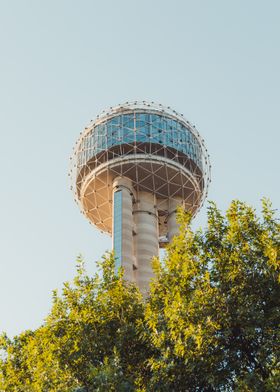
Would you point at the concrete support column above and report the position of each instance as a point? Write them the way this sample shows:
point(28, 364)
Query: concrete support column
point(146, 238)
point(123, 226)
point(172, 225)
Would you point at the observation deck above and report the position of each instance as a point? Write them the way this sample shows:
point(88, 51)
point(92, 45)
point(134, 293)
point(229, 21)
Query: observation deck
point(154, 146)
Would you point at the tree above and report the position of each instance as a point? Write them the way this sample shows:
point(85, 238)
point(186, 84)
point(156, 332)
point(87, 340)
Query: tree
point(89, 339)
point(213, 313)
point(210, 323)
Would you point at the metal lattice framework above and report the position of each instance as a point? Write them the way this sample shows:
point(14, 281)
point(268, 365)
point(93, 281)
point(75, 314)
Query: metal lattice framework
point(154, 146)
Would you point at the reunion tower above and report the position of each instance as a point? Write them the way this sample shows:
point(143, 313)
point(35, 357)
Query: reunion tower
point(131, 168)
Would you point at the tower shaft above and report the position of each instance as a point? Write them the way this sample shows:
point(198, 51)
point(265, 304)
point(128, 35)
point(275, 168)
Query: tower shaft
point(135, 231)
point(146, 238)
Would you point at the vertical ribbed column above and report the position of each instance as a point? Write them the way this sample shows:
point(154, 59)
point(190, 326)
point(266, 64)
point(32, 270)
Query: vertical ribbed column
point(146, 238)
point(123, 226)
point(172, 225)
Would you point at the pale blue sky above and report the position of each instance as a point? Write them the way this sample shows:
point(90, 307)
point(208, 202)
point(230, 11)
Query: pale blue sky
point(62, 62)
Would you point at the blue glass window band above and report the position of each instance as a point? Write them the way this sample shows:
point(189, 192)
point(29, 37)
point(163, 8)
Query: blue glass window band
point(138, 127)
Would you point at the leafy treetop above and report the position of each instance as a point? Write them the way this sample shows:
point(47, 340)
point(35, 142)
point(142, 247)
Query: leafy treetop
point(211, 322)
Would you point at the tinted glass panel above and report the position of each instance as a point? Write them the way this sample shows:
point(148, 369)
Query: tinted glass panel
point(140, 128)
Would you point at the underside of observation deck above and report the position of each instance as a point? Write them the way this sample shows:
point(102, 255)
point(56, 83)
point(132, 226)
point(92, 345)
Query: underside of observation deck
point(160, 176)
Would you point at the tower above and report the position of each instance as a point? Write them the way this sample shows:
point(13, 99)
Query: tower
point(131, 168)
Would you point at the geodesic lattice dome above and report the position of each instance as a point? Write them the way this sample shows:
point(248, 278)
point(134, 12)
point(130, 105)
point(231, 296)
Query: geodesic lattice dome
point(154, 146)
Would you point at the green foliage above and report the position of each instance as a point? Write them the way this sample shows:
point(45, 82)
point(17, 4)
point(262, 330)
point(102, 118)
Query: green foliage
point(211, 322)
point(89, 339)
point(213, 314)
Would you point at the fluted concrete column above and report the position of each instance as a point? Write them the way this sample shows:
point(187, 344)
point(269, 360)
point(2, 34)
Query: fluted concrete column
point(172, 225)
point(146, 238)
point(123, 226)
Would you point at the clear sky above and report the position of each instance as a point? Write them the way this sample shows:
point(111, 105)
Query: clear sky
point(62, 62)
